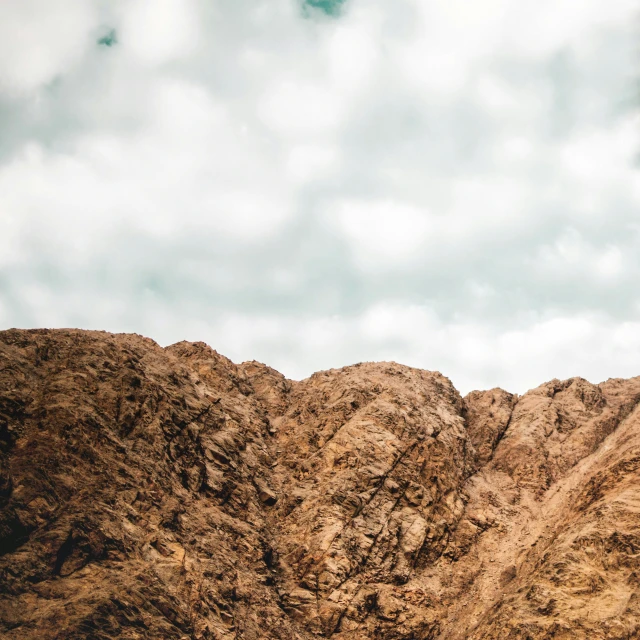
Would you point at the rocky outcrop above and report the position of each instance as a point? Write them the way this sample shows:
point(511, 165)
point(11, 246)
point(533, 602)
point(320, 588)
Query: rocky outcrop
point(170, 493)
point(372, 460)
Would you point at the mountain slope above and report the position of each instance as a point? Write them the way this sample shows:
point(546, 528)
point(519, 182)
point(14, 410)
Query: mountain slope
point(169, 493)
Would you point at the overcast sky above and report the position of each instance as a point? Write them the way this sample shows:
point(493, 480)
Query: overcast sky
point(453, 185)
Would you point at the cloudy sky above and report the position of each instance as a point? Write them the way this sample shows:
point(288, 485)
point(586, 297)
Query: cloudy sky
point(453, 185)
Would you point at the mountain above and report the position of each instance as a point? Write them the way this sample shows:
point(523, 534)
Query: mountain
point(150, 492)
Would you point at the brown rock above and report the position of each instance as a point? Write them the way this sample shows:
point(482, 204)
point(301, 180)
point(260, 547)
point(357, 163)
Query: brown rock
point(169, 493)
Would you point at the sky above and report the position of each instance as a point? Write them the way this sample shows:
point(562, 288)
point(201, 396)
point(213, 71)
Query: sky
point(452, 185)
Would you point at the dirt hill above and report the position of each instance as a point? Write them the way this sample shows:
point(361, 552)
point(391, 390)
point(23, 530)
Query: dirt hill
point(150, 492)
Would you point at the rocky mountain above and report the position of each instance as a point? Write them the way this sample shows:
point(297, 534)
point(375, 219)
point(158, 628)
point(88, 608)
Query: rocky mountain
point(150, 492)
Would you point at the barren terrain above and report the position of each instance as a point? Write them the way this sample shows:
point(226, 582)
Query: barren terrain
point(150, 492)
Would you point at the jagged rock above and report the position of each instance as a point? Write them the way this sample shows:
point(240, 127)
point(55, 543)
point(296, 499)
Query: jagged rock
point(266, 493)
point(169, 493)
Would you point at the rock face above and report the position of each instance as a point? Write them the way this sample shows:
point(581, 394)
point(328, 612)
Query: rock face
point(169, 493)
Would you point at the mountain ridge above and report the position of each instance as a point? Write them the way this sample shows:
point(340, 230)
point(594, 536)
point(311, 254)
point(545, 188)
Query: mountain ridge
point(167, 492)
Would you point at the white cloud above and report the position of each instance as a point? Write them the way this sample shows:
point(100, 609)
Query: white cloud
point(448, 184)
point(540, 29)
point(593, 346)
point(190, 167)
point(39, 41)
point(159, 31)
point(308, 163)
point(575, 258)
point(352, 55)
point(296, 108)
point(382, 234)
point(495, 94)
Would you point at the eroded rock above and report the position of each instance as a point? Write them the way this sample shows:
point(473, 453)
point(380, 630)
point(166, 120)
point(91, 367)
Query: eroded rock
point(169, 493)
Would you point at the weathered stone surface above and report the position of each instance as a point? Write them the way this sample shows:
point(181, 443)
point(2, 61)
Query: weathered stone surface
point(169, 493)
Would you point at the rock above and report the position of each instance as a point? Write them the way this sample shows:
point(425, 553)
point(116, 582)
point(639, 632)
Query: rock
point(266, 493)
point(169, 493)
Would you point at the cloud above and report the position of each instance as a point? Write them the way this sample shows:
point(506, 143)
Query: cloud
point(449, 185)
point(481, 357)
point(161, 31)
point(299, 109)
point(39, 41)
point(381, 233)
